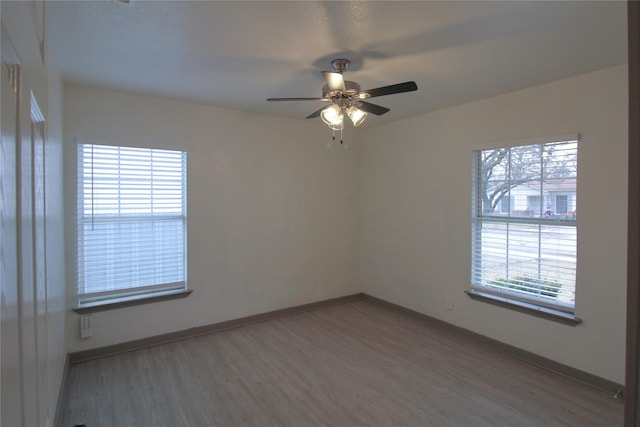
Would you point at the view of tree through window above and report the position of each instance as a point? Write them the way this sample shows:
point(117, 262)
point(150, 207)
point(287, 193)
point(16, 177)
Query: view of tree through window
point(524, 222)
point(525, 170)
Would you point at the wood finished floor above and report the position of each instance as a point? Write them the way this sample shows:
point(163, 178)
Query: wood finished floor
point(347, 365)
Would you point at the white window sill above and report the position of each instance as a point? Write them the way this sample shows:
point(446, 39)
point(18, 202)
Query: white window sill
point(523, 307)
point(116, 303)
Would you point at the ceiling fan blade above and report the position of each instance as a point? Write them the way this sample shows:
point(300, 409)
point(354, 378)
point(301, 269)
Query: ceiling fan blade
point(296, 99)
point(390, 90)
point(372, 108)
point(335, 81)
point(315, 113)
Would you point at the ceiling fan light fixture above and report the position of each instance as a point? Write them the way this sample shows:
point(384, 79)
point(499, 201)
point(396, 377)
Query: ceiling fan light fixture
point(346, 98)
point(333, 117)
point(356, 115)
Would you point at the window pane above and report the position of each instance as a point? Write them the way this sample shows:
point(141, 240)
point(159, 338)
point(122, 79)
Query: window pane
point(495, 183)
point(505, 205)
point(531, 259)
point(131, 219)
point(132, 253)
point(561, 204)
point(525, 248)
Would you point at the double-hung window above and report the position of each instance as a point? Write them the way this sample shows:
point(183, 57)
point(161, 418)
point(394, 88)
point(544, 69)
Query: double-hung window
point(131, 223)
point(524, 224)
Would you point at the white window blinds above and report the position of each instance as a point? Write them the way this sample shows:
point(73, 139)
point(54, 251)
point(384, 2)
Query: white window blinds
point(131, 221)
point(525, 248)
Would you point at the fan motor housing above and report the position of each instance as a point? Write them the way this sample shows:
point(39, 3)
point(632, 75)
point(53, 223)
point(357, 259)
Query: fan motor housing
point(352, 89)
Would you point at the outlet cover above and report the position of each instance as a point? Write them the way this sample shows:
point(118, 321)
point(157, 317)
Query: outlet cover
point(449, 304)
point(86, 327)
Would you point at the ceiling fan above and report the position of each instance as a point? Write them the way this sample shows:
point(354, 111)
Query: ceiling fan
point(345, 97)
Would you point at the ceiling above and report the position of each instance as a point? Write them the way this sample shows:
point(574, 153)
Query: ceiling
point(236, 54)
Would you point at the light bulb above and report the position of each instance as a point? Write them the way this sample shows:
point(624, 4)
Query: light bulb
point(333, 117)
point(356, 115)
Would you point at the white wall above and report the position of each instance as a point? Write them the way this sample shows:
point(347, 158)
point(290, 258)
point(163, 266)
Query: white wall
point(416, 214)
point(273, 215)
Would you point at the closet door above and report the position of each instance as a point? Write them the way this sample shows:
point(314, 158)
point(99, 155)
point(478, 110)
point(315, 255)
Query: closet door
point(23, 268)
point(11, 391)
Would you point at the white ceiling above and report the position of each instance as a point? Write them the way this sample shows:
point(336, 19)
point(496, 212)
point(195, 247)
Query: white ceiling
point(236, 54)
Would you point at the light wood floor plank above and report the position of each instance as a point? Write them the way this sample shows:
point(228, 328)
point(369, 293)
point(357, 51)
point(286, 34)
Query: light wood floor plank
point(352, 364)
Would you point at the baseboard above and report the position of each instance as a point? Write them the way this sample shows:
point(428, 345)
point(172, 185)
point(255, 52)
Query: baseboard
point(62, 393)
point(96, 353)
point(578, 375)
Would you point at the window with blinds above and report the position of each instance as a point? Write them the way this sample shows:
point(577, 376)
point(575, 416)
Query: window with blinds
point(524, 223)
point(131, 222)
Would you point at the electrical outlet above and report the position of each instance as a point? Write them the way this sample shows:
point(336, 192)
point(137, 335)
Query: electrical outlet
point(86, 327)
point(449, 303)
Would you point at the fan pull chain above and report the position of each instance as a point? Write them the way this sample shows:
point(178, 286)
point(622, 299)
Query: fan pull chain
point(333, 137)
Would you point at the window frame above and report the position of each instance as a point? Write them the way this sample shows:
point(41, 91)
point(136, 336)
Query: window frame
point(544, 307)
point(134, 295)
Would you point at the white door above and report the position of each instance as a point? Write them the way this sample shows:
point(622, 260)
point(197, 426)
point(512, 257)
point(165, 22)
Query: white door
point(24, 363)
point(11, 391)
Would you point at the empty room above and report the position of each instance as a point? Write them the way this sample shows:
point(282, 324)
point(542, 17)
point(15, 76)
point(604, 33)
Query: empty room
point(301, 213)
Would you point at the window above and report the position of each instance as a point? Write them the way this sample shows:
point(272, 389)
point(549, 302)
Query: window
point(561, 204)
point(505, 204)
point(528, 255)
point(534, 205)
point(131, 222)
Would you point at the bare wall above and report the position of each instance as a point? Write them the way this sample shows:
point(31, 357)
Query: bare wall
point(273, 215)
point(416, 214)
